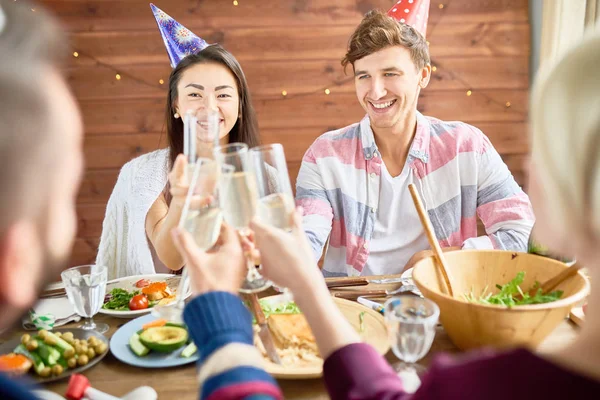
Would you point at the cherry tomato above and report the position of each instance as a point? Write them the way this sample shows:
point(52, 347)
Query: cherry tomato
point(138, 302)
point(142, 283)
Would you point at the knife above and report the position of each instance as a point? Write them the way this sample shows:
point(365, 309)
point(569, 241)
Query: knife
point(264, 333)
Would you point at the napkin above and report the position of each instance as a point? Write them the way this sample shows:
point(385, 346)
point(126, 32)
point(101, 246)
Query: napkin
point(59, 307)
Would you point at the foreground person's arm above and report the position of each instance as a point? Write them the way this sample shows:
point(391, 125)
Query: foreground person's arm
point(352, 370)
point(230, 367)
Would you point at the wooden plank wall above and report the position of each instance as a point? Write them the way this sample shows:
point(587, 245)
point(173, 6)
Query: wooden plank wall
point(292, 45)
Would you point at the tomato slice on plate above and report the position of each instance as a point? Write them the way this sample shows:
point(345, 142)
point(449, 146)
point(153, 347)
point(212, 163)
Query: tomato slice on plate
point(138, 302)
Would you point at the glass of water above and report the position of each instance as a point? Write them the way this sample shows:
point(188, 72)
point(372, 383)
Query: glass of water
point(86, 286)
point(411, 323)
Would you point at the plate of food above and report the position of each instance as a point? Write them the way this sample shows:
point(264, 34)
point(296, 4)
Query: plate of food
point(48, 356)
point(295, 343)
point(133, 296)
point(148, 342)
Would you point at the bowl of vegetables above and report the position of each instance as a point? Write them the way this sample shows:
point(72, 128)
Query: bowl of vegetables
point(491, 304)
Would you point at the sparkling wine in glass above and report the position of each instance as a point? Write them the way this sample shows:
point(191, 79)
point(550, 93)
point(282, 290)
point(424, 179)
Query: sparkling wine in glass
point(275, 196)
point(202, 218)
point(411, 323)
point(238, 198)
point(86, 287)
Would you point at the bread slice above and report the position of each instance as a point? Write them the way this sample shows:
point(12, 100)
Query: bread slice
point(291, 330)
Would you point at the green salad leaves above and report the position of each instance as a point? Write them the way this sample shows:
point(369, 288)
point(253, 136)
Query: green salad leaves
point(118, 299)
point(506, 296)
point(283, 308)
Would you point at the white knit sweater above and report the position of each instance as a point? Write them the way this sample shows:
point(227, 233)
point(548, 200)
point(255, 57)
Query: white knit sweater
point(124, 246)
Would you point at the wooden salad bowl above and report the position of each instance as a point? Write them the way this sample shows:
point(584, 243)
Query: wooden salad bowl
point(472, 325)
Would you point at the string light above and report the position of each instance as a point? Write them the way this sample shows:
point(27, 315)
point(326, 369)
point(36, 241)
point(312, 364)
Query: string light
point(327, 91)
point(434, 68)
point(33, 9)
point(507, 104)
point(75, 54)
point(161, 81)
point(118, 77)
point(441, 6)
point(427, 42)
point(284, 93)
point(235, 2)
point(469, 93)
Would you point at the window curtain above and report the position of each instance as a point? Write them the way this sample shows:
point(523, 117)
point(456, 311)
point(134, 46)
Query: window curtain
point(564, 22)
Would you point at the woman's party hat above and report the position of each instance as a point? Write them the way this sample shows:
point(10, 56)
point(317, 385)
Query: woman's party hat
point(179, 40)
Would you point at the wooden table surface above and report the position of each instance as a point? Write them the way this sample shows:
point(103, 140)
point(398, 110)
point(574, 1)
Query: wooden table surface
point(179, 383)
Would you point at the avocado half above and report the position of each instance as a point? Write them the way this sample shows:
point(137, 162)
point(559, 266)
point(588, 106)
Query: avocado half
point(164, 338)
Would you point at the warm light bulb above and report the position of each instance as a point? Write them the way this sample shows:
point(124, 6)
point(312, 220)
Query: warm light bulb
point(161, 81)
point(441, 6)
point(469, 93)
point(118, 77)
point(284, 92)
point(427, 43)
point(507, 104)
point(235, 3)
point(75, 54)
point(434, 68)
point(327, 91)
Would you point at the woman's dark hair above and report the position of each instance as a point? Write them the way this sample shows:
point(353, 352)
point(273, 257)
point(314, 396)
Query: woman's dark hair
point(245, 129)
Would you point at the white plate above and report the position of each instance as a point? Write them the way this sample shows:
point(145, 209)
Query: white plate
point(407, 275)
point(128, 283)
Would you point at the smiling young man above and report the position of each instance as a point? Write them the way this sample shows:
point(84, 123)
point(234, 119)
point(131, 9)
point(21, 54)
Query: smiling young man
point(353, 183)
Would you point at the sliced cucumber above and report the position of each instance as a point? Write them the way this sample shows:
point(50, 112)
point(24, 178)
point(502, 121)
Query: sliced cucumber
point(189, 350)
point(137, 347)
point(38, 364)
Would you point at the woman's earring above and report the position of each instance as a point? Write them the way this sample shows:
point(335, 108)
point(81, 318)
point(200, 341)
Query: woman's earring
point(176, 115)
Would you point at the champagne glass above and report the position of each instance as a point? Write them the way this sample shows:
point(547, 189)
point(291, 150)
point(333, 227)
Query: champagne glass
point(86, 287)
point(411, 323)
point(275, 196)
point(238, 199)
point(202, 218)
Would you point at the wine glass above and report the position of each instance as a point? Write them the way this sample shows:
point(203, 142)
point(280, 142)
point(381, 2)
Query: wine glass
point(275, 196)
point(238, 199)
point(411, 323)
point(86, 287)
point(202, 218)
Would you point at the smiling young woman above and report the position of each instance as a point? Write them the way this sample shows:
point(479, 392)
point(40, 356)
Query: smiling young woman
point(147, 200)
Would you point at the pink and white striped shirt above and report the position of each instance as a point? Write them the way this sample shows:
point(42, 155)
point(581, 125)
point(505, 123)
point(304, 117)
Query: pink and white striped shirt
point(456, 169)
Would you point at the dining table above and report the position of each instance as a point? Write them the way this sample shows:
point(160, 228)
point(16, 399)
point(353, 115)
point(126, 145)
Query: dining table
point(117, 378)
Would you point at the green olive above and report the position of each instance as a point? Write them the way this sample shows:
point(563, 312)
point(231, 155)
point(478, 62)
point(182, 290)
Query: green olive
point(82, 360)
point(100, 348)
point(84, 349)
point(43, 333)
point(67, 336)
point(57, 369)
point(50, 341)
point(45, 372)
point(91, 353)
point(58, 334)
point(25, 338)
point(72, 362)
point(68, 353)
point(32, 345)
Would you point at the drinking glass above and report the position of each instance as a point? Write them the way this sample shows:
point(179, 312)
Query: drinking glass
point(238, 199)
point(411, 323)
point(202, 218)
point(86, 287)
point(275, 196)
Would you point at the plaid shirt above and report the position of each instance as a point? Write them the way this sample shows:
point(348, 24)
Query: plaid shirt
point(455, 168)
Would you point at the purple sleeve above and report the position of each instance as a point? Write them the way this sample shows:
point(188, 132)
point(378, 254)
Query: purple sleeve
point(358, 372)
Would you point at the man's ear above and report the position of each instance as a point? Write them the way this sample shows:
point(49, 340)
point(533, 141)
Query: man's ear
point(20, 264)
point(425, 76)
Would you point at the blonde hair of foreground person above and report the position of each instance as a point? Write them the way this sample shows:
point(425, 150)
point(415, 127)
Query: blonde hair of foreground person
point(565, 111)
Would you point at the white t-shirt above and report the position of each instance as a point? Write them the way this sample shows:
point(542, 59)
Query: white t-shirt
point(398, 233)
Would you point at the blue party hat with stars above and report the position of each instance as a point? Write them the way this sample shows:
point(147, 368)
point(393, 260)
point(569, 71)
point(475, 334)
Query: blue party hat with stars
point(179, 40)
